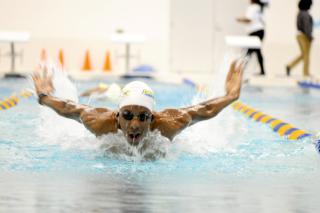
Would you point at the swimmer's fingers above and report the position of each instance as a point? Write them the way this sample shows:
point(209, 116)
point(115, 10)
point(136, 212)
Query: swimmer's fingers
point(240, 67)
point(37, 69)
point(231, 70)
point(36, 79)
point(49, 77)
point(42, 80)
point(35, 76)
point(241, 71)
point(239, 63)
point(40, 67)
point(234, 78)
point(236, 69)
point(45, 72)
point(233, 65)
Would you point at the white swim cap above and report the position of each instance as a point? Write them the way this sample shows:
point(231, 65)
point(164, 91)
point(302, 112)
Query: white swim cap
point(137, 93)
point(113, 93)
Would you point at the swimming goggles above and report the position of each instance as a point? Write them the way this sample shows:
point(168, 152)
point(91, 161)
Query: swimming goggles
point(127, 115)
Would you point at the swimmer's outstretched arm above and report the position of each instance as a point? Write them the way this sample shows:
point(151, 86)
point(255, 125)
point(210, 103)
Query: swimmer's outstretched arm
point(171, 122)
point(97, 120)
point(212, 107)
point(44, 88)
point(65, 108)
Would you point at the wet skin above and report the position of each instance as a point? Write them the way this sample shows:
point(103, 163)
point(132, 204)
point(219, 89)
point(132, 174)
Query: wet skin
point(169, 122)
point(135, 128)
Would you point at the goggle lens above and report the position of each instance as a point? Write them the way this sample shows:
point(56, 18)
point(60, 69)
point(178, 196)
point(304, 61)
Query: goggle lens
point(127, 115)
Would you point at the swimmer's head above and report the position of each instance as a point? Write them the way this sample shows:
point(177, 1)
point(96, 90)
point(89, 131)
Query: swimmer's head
point(135, 111)
point(137, 93)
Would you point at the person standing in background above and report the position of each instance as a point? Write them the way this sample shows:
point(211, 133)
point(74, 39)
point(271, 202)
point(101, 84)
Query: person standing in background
point(264, 3)
point(304, 37)
point(255, 26)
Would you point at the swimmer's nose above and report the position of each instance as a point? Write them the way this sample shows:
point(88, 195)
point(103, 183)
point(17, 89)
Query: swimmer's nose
point(134, 125)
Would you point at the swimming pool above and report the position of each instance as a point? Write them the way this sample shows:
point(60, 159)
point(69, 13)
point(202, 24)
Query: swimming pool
point(227, 164)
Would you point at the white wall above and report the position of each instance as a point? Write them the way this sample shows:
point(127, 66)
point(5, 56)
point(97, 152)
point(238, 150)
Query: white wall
point(76, 25)
point(191, 36)
point(197, 32)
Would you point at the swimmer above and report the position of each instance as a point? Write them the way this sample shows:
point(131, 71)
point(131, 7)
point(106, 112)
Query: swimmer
point(105, 92)
point(135, 116)
point(100, 89)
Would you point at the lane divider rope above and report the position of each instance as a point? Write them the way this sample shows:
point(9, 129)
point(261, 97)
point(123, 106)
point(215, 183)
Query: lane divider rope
point(313, 83)
point(13, 100)
point(198, 87)
point(282, 128)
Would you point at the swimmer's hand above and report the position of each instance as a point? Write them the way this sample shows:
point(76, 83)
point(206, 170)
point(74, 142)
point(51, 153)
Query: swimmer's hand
point(234, 79)
point(42, 80)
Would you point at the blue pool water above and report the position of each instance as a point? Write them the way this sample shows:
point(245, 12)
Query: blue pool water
point(226, 164)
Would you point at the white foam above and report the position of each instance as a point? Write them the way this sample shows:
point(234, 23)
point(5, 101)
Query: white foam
point(210, 136)
point(218, 133)
point(154, 146)
point(64, 88)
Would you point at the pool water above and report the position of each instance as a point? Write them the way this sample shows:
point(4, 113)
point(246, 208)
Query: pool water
point(226, 164)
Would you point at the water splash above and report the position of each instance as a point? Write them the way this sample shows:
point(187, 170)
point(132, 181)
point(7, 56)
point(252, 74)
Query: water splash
point(64, 88)
point(212, 136)
point(218, 133)
point(153, 147)
point(55, 129)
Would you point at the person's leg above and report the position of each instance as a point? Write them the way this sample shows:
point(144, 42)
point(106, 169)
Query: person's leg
point(305, 43)
point(260, 34)
point(260, 59)
point(249, 52)
point(298, 58)
point(258, 52)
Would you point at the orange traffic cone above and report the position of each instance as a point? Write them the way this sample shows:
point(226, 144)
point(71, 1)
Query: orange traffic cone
point(61, 58)
point(87, 62)
point(107, 63)
point(43, 55)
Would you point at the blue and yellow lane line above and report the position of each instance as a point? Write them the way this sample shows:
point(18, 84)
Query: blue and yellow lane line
point(13, 100)
point(198, 87)
point(282, 128)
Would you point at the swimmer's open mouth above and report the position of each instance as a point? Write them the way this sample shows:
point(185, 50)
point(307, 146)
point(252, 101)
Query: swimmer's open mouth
point(134, 136)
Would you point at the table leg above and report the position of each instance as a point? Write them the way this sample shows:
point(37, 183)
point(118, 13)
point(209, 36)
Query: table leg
point(13, 57)
point(127, 57)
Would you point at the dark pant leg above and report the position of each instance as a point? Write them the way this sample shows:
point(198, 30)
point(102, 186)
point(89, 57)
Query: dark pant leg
point(260, 34)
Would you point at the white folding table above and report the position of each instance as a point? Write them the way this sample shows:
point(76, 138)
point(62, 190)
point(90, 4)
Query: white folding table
point(12, 38)
point(243, 42)
point(127, 39)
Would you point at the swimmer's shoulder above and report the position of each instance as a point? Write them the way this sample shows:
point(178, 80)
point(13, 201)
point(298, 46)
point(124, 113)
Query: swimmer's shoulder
point(100, 120)
point(170, 121)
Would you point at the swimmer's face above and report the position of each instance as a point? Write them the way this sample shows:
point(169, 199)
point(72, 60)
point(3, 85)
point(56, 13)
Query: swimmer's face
point(135, 122)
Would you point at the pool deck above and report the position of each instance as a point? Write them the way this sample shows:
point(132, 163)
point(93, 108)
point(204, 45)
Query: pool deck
point(199, 79)
point(202, 79)
point(274, 81)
